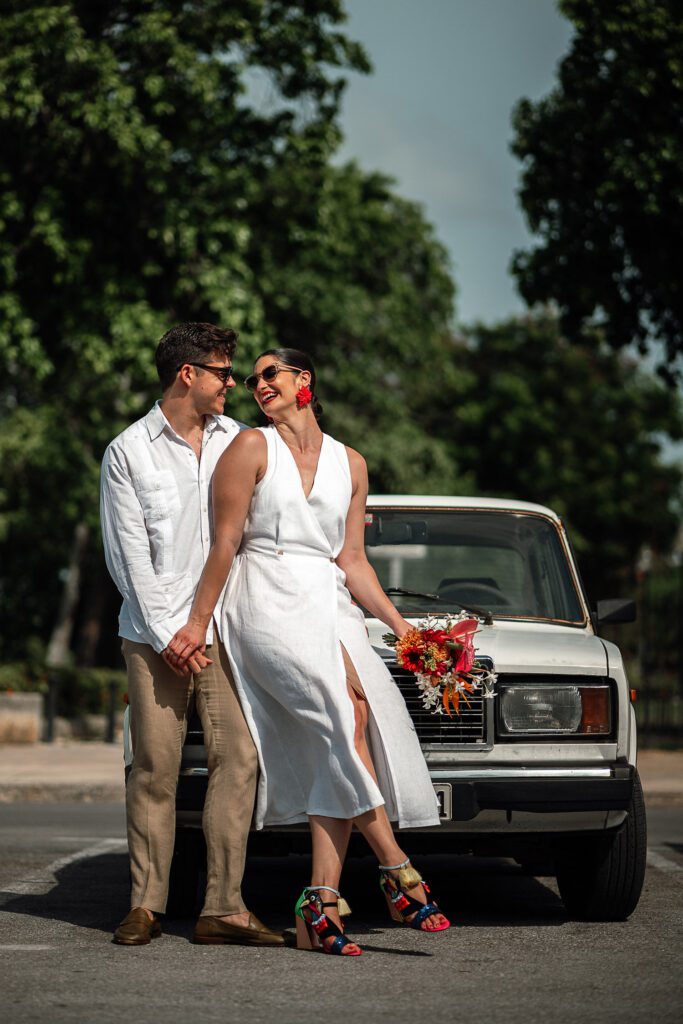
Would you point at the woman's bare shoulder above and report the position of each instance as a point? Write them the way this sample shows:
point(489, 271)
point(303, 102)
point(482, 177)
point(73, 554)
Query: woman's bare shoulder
point(249, 446)
point(250, 440)
point(356, 460)
point(358, 468)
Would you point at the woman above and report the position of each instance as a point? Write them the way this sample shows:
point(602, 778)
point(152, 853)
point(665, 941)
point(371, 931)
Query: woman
point(336, 743)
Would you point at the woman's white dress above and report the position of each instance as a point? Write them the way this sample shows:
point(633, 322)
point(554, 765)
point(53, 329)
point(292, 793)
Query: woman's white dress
point(286, 612)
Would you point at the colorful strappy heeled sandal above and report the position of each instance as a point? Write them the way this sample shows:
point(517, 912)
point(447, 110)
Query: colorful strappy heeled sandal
point(313, 926)
point(401, 906)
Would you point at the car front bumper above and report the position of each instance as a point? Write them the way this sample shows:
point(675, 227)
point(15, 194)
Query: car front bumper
point(537, 799)
point(495, 799)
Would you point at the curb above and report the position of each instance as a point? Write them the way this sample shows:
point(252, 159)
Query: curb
point(51, 794)
point(663, 799)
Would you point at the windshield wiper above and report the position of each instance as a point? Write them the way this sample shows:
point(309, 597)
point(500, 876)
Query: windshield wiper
point(482, 613)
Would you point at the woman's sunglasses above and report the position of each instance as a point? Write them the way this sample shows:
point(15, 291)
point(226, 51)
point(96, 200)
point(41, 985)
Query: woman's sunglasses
point(268, 374)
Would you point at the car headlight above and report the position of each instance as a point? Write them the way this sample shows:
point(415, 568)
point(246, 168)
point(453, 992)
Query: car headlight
point(553, 709)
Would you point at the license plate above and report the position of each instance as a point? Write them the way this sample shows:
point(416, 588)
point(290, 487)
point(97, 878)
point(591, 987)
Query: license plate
point(444, 796)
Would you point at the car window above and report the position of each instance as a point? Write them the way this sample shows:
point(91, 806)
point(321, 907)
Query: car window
point(512, 564)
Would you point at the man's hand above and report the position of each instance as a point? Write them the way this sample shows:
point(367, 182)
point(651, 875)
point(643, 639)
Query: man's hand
point(185, 652)
point(195, 663)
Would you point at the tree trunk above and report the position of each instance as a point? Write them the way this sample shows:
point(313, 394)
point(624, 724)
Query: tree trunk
point(97, 610)
point(58, 647)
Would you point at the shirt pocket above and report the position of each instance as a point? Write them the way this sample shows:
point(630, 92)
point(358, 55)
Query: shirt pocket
point(158, 495)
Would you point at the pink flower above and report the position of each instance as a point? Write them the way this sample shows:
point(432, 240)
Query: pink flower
point(466, 656)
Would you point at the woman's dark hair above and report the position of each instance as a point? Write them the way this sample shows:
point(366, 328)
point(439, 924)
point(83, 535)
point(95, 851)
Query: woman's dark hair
point(294, 357)
point(191, 343)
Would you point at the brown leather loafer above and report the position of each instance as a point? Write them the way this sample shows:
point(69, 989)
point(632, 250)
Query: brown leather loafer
point(137, 929)
point(212, 931)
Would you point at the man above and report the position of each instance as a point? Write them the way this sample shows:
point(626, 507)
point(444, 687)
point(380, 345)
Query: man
point(155, 510)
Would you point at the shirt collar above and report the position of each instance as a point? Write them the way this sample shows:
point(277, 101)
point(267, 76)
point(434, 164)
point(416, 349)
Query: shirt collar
point(156, 421)
point(214, 422)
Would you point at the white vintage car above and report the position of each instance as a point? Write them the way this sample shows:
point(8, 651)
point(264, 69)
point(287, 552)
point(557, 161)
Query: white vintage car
point(546, 770)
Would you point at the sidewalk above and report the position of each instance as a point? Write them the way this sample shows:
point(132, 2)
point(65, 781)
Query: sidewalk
point(661, 773)
point(94, 771)
point(61, 772)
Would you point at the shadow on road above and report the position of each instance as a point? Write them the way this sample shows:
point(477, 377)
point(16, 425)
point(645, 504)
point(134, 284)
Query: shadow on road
point(473, 892)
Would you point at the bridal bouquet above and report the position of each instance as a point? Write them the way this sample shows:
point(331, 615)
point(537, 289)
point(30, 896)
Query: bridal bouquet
point(442, 655)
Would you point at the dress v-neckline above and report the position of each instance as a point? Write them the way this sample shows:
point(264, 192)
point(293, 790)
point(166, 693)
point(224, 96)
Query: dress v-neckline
point(307, 497)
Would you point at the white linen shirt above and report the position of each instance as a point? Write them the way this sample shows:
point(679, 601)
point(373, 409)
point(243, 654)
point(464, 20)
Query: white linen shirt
point(155, 509)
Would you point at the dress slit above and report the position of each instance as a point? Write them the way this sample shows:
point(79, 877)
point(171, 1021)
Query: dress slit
point(352, 677)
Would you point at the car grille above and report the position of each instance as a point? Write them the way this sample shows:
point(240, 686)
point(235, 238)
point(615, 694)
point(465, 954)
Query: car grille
point(467, 728)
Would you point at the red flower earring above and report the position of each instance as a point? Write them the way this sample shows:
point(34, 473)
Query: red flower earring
point(303, 396)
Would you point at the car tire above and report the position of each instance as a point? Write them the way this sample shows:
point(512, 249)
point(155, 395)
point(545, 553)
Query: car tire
point(187, 874)
point(601, 878)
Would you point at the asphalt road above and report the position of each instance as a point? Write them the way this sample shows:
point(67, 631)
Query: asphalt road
point(514, 956)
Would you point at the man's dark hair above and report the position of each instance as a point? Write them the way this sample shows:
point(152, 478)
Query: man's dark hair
point(191, 343)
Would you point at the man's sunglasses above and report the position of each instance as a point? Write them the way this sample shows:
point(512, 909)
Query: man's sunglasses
point(223, 372)
point(268, 374)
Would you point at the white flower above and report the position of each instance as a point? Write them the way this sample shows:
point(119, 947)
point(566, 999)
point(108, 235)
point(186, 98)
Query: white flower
point(431, 698)
point(488, 682)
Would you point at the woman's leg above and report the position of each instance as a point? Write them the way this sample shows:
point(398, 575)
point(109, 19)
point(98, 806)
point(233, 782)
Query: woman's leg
point(330, 838)
point(376, 828)
point(330, 841)
point(375, 825)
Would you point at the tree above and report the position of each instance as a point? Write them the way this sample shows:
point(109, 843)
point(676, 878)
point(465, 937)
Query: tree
point(166, 160)
point(132, 150)
point(602, 179)
point(531, 416)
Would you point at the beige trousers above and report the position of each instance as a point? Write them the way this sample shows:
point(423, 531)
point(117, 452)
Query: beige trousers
point(158, 716)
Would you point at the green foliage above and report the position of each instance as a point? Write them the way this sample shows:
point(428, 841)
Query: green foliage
point(566, 425)
point(86, 691)
point(19, 677)
point(49, 482)
point(80, 691)
point(602, 181)
point(131, 158)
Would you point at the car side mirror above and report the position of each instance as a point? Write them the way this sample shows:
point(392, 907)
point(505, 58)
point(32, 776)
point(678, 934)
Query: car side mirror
point(616, 609)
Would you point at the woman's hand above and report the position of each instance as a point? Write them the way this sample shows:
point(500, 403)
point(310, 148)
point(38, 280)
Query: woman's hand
point(185, 652)
point(402, 628)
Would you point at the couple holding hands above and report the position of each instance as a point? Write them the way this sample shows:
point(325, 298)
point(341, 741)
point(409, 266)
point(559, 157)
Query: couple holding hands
point(237, 552)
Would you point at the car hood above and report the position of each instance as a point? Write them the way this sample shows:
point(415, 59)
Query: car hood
point(516, 647)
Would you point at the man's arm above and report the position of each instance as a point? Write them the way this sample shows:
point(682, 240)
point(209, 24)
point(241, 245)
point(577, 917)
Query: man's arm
point(127, 552)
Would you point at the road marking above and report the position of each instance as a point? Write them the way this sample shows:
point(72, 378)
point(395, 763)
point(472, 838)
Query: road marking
point(39, 885)
point(22, 949)
point(656, 859)
point(75, 839)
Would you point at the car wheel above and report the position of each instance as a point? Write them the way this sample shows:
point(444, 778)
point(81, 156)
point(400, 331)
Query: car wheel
point(600, 879)
point(186, 877)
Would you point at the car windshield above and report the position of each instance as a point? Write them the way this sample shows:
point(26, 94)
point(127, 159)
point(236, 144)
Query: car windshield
point(512, 564)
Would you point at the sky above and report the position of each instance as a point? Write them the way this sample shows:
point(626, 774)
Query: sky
point(436, 116)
